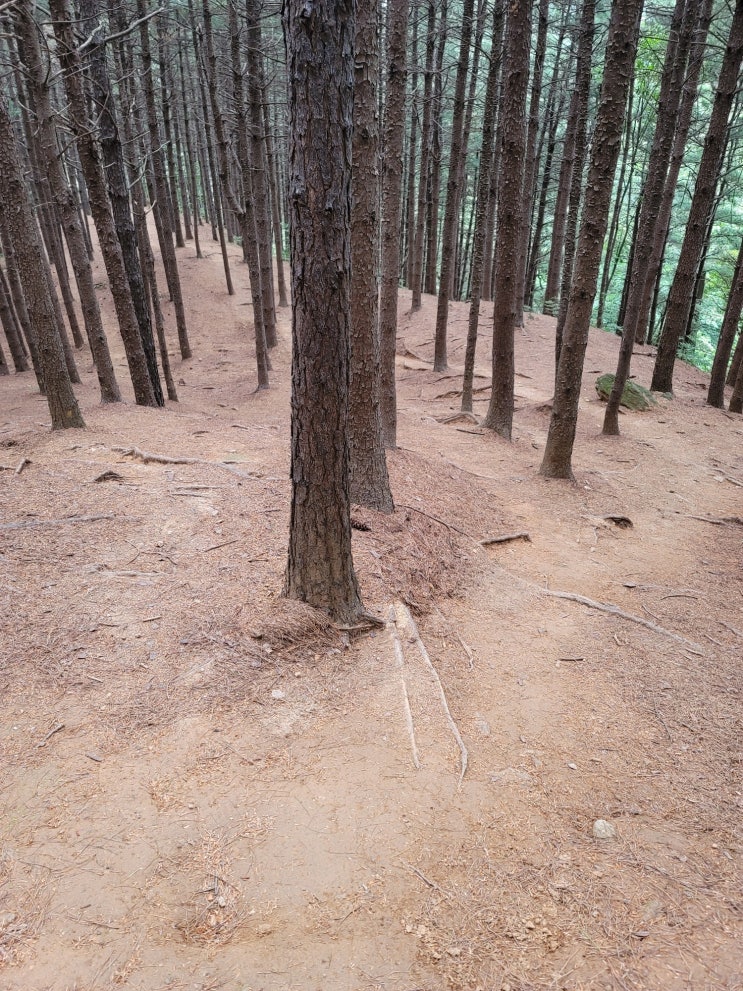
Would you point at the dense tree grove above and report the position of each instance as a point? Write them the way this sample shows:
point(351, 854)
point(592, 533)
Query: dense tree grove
point(578, 157)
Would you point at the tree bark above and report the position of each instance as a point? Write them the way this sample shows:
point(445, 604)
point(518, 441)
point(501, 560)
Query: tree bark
point(621, 50)
point(67, 210)
point(320, 56)
point(392, 168)
point(416, 268)
point(453, 188)
point(18, 219)
point(508, 288)
point(731, 320)
point(369, 481)
point(90, 160)
point(162, 190)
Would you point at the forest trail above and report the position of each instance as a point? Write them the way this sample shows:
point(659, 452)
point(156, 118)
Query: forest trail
point(204, 789)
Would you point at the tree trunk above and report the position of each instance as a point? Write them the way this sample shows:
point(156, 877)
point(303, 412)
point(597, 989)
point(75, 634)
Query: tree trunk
point(680, 298)
point(483, 188)
point(434, 191)
point(90, 161)
point(621, 50)
point(162, 190)
point(582, 86)
point(508, 288)
point(416, 248)
point(369, 481)
point(258, 161)
point(66, 205)
point(392, 167)
point(453, 187)
point(320, 56)
point(18, 219)
point(672, 79)
point(10, 325)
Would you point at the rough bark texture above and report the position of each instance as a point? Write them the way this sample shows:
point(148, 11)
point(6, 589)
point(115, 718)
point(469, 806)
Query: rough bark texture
point(392, 168)
point(90, 161)
point(680, 299)
point(369, 480)
point(507, 297)
point(10, 325)
point(621, 50)
point(453, 187)
point(481, 210)
point(582, 88)
point(18, 219)
point(416, 266)
point(65, 203)
point(258, 162)
point(672, 80)
point(116, 181)
point(320, 57)
point(162, 191)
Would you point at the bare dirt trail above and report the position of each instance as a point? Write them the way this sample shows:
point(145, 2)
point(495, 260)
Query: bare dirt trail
point(204, 788)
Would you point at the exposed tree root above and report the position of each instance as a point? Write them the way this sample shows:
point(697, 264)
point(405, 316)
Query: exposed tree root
point(395, 637)
point(506, 538)
point(404, 617)
point(146, 457)
point(613, 610)
point(30, 524)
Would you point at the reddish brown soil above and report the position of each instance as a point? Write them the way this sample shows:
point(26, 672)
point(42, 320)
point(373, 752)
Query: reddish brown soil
point(206, 788)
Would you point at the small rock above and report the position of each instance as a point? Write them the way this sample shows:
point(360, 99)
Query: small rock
point(265, 929)
point(483, 726)
point(603, 830)
point(572, 766)
point(278, 695)
point(6, 919)
point(222, 901)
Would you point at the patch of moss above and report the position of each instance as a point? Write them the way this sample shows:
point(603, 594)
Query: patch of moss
point(634, 396)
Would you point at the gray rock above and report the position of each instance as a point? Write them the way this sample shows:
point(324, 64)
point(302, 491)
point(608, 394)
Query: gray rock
point(603, 830)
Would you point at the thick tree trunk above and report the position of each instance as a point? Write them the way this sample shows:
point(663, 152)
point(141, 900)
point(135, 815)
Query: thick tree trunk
point(508, 287)
point(680, 298)
point(392, 167)
point(17, 218)
point(369, 481)
point(621, 50)
point(434, 190)
point(320, 55)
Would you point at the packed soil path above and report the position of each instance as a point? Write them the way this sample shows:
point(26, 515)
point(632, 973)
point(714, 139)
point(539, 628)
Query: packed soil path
point(206, 787)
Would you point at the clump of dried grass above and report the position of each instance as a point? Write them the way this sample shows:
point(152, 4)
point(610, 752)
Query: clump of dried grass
point(289, 624)
point(22, 912)
point(218, 908)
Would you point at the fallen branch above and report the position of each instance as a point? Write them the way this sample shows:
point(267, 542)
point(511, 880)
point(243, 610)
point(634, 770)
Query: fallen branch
point(613, 610)
point(22, 464)
point(506, 537)
point(147, 457)
point(50, 734)
point(402, 611)
point(29, 524)
point(397, 646)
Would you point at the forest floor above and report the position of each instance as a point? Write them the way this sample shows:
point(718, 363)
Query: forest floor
point(205, 787)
